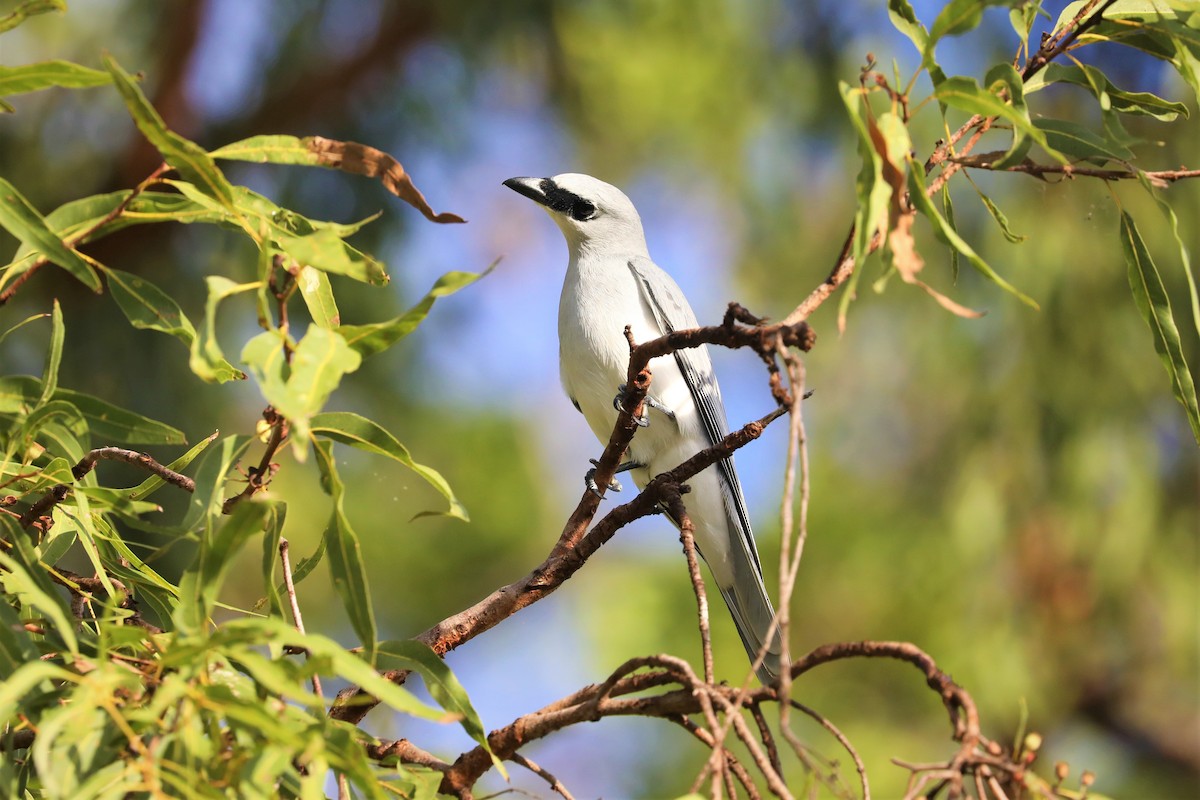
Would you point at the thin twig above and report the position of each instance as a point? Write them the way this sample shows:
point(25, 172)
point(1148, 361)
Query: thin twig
point(841, 737)
point(687, 535)
point(1160, 177)
point(258, 477)
point(294, 602)
point(555, 784)
point(88, 463)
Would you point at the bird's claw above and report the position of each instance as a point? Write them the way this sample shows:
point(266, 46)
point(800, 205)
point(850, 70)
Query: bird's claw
point(589, 480)
point(642, 421)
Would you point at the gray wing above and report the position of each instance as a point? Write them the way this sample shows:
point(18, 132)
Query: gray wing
point(671, 310)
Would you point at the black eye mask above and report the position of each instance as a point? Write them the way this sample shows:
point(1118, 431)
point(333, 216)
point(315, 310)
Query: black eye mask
point(567, 202)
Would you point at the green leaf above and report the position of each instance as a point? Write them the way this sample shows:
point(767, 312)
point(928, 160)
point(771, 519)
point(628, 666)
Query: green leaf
point(904, 19)
point(955, 18)
point(997, 214)
point(269, 149)
point(346, 562)
point(946, 234)
point(19, 582)
point(18, 394)
point(53, 355)
point(34, 77)
point(379, 336)
point(948, 210)
point(964, 93)
point(199, 585)
point(1022, 17)
point(211, 475)
point(1184, 258)
point(154, 482)
point(21, 324)
point(317, 293)
point(23, 221)
point(443, 686)
point(1151, 298)
point(35, 677)
point(187, 158)
point(1080, 142)
point(318, 363)
point(270, 557)
point(357, 431)
point(207, 360)
point(325, 250)
point(1109, 95)
point(148, 307)
point(29, 8)
point(16, 645)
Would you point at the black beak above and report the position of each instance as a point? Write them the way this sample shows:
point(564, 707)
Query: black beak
point(533, 188)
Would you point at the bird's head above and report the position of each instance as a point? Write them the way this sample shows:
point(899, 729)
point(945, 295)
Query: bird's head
point(590, 212)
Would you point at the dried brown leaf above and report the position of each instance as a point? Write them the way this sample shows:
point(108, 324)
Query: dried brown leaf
point(362, 159)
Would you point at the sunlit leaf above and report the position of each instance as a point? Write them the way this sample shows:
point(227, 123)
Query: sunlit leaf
point(379, 336)
point(1152, 301)
point(317, 293)
point(352, 157)
point(29, 8)
point(43, 75)
point(53, 355)
point(18, 394)
point(206, 359)
point(1184, 256)
point(360, 432)
point(187, 158)
point(443, 686)
point(346, 563)
point(1082, 142)
point(19, 581)
point(23, 221)
point(199, 585)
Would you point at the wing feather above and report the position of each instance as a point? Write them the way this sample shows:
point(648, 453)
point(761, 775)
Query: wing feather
point(672, 312)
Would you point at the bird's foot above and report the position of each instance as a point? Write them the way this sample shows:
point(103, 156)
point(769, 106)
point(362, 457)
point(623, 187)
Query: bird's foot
point(644, 420)
point(589, 478)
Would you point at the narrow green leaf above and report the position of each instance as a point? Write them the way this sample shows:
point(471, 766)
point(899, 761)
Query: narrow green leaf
point(946, 234)
point(19, 582)
point(269, 149)
point(154, 483)
point(948, 210)
point(67, 434)
point(1080, 142)
point(43, 75)
point(34, 677)
point(1151, 298)
point(1109, 95)
point(211, 474)
point(148, 307)
point(379, 336)
point(964, 93)
point(187, 158)
point(443, 686)
point(325, 250)
point(16, 645)
point(904, 19)
point(1000, 217)
point(29, 8)
point(346, 563)
point(207, 360)
point(21, 324)
point(19, 393)
point(1021, 18)
point(317, 293)
point(23, 221)
point(1184, 257)
point(360, 432)
point(199, 585)
point(270, 558)
point(53, 355)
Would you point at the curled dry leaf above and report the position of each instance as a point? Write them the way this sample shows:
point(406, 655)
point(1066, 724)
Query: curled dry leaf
point(361, 159)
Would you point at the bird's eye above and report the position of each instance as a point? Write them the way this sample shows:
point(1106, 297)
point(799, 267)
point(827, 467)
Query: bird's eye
point(582, 210)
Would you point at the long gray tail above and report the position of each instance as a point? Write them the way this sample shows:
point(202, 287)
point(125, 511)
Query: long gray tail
point(752, 614)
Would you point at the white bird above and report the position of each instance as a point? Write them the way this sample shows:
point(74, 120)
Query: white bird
point(611, 282)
